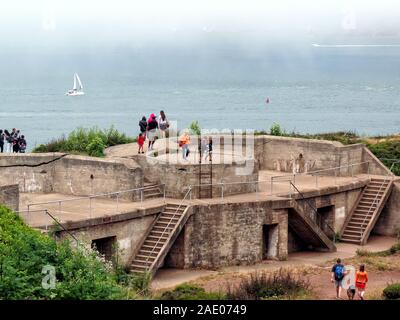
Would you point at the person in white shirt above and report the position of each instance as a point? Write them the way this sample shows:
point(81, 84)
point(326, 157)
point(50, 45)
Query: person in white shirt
point(163, 124)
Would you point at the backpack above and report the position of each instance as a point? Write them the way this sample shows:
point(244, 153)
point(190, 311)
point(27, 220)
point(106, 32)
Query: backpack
point(339, 272)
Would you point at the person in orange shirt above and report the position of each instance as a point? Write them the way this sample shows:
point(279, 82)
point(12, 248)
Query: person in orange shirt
point(361, 281)
point(184, 141)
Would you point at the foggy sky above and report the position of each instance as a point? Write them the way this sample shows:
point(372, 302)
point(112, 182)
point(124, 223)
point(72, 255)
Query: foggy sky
point(186, 23)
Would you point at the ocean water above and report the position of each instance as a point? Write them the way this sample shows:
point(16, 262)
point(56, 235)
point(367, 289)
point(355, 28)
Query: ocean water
point(328, 99)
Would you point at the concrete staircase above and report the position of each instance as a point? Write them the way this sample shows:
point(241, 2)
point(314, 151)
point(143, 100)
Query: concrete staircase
point(366, 212)
point(205, 181)
point(160, 238)
point(303, 224)
point(152, 191)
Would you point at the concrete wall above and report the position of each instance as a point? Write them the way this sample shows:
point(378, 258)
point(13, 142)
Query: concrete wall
point(128, 228)
point(9, 196)
point(69, 174)
point(177, 177)
point(388, 223)
point(228, 234)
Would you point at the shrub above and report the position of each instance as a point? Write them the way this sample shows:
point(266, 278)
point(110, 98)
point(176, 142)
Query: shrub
point(190, 292)
point(276, 130)
point(389, 149)
point(195, 128)
point(90, 141)
point(392, 291)
point(269, 286)
point(96, 147)
point(80, 274)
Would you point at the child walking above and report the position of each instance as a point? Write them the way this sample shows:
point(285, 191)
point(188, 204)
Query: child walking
point(361, 281)
point(140, 142)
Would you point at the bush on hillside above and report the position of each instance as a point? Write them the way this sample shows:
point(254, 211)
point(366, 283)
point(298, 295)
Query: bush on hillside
point(90, 141)
point(195, 128)
point(80, 274)
point(389, 149)
point(392, 291)
point(190, 292)
point(261, 286)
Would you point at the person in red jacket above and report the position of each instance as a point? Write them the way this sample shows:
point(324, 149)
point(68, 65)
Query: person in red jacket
point(140, 142)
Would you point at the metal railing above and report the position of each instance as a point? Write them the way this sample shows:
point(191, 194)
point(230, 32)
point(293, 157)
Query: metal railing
point(165, 229)
point(317, 173)
point(90, 198)
point(52, 217)
point(315, 211)
point(279, 179)
point(375, 202)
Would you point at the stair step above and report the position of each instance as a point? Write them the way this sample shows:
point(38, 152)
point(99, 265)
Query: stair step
point(350, 240)
point(351, 236)
point(365, 207)
point(157, 237)
point(138, 267)
point(144, 257)
point(151, 243)
point(353, 232)
point(173, 211)
point(163, 228)
point(159, 233)
point(168, 215)
point(153, 195)
point(151, 246)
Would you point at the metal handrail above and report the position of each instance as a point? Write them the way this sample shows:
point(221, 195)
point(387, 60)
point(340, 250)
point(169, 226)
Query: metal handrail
point(373, 203)
point(90, 197)
point(318, 171)
point(313, 208)
point(170, 220)
point(53, 218)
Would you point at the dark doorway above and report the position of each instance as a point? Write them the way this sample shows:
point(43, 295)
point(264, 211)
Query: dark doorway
point(105, 246)
point(326, 219)
point(270, 241)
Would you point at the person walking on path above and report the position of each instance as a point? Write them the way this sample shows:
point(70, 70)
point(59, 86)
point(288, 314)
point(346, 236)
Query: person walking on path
point(338, 273)
point(163, 124)
point(143, 126)
point(152, 127)
point(361, 281)
point(184, 142)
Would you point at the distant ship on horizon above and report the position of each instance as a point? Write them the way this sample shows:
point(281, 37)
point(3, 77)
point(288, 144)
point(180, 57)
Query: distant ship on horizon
point(77, 90)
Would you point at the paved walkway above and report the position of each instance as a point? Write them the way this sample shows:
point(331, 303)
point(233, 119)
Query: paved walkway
point(168, 278)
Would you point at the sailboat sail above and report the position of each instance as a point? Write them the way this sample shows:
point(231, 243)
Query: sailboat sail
point(74, 82)
point(79, 82)
point(77, 89)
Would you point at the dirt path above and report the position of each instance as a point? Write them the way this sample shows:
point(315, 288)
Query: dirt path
point(313, 266)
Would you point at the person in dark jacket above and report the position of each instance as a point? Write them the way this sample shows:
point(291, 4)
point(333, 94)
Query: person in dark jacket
point(152, 127)
point(143, 125)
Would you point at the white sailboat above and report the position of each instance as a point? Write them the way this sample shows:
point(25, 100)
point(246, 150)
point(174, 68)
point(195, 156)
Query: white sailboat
point(78, 87)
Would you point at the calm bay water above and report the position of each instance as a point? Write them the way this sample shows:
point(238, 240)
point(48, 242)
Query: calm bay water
point(35, 102)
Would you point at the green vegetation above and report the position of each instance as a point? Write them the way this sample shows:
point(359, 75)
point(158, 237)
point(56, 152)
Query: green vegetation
point(394, 249)
point(80, 273)
point(90, 141)
point(278, 285)
point(392, 291)
point(191, 292)
point(386, 148)
point(195, 128)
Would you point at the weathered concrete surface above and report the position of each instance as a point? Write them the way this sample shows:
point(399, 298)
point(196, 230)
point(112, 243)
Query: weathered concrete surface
point(388, 223)
point(69, 174)
point(9, 196)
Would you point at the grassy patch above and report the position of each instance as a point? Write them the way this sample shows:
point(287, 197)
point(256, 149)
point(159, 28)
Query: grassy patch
point(282, 284)
point(90, 141)
point(190, 292)
point(392, 291)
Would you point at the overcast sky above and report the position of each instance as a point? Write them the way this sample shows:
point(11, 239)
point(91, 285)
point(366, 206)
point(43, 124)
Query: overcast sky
point(158, 22)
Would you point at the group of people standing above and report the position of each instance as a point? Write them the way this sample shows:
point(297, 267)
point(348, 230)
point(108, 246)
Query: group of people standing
point(12, 141)
point(151, 129)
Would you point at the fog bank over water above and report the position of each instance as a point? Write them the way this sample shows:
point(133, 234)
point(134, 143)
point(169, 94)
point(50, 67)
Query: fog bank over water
point(211, 61)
